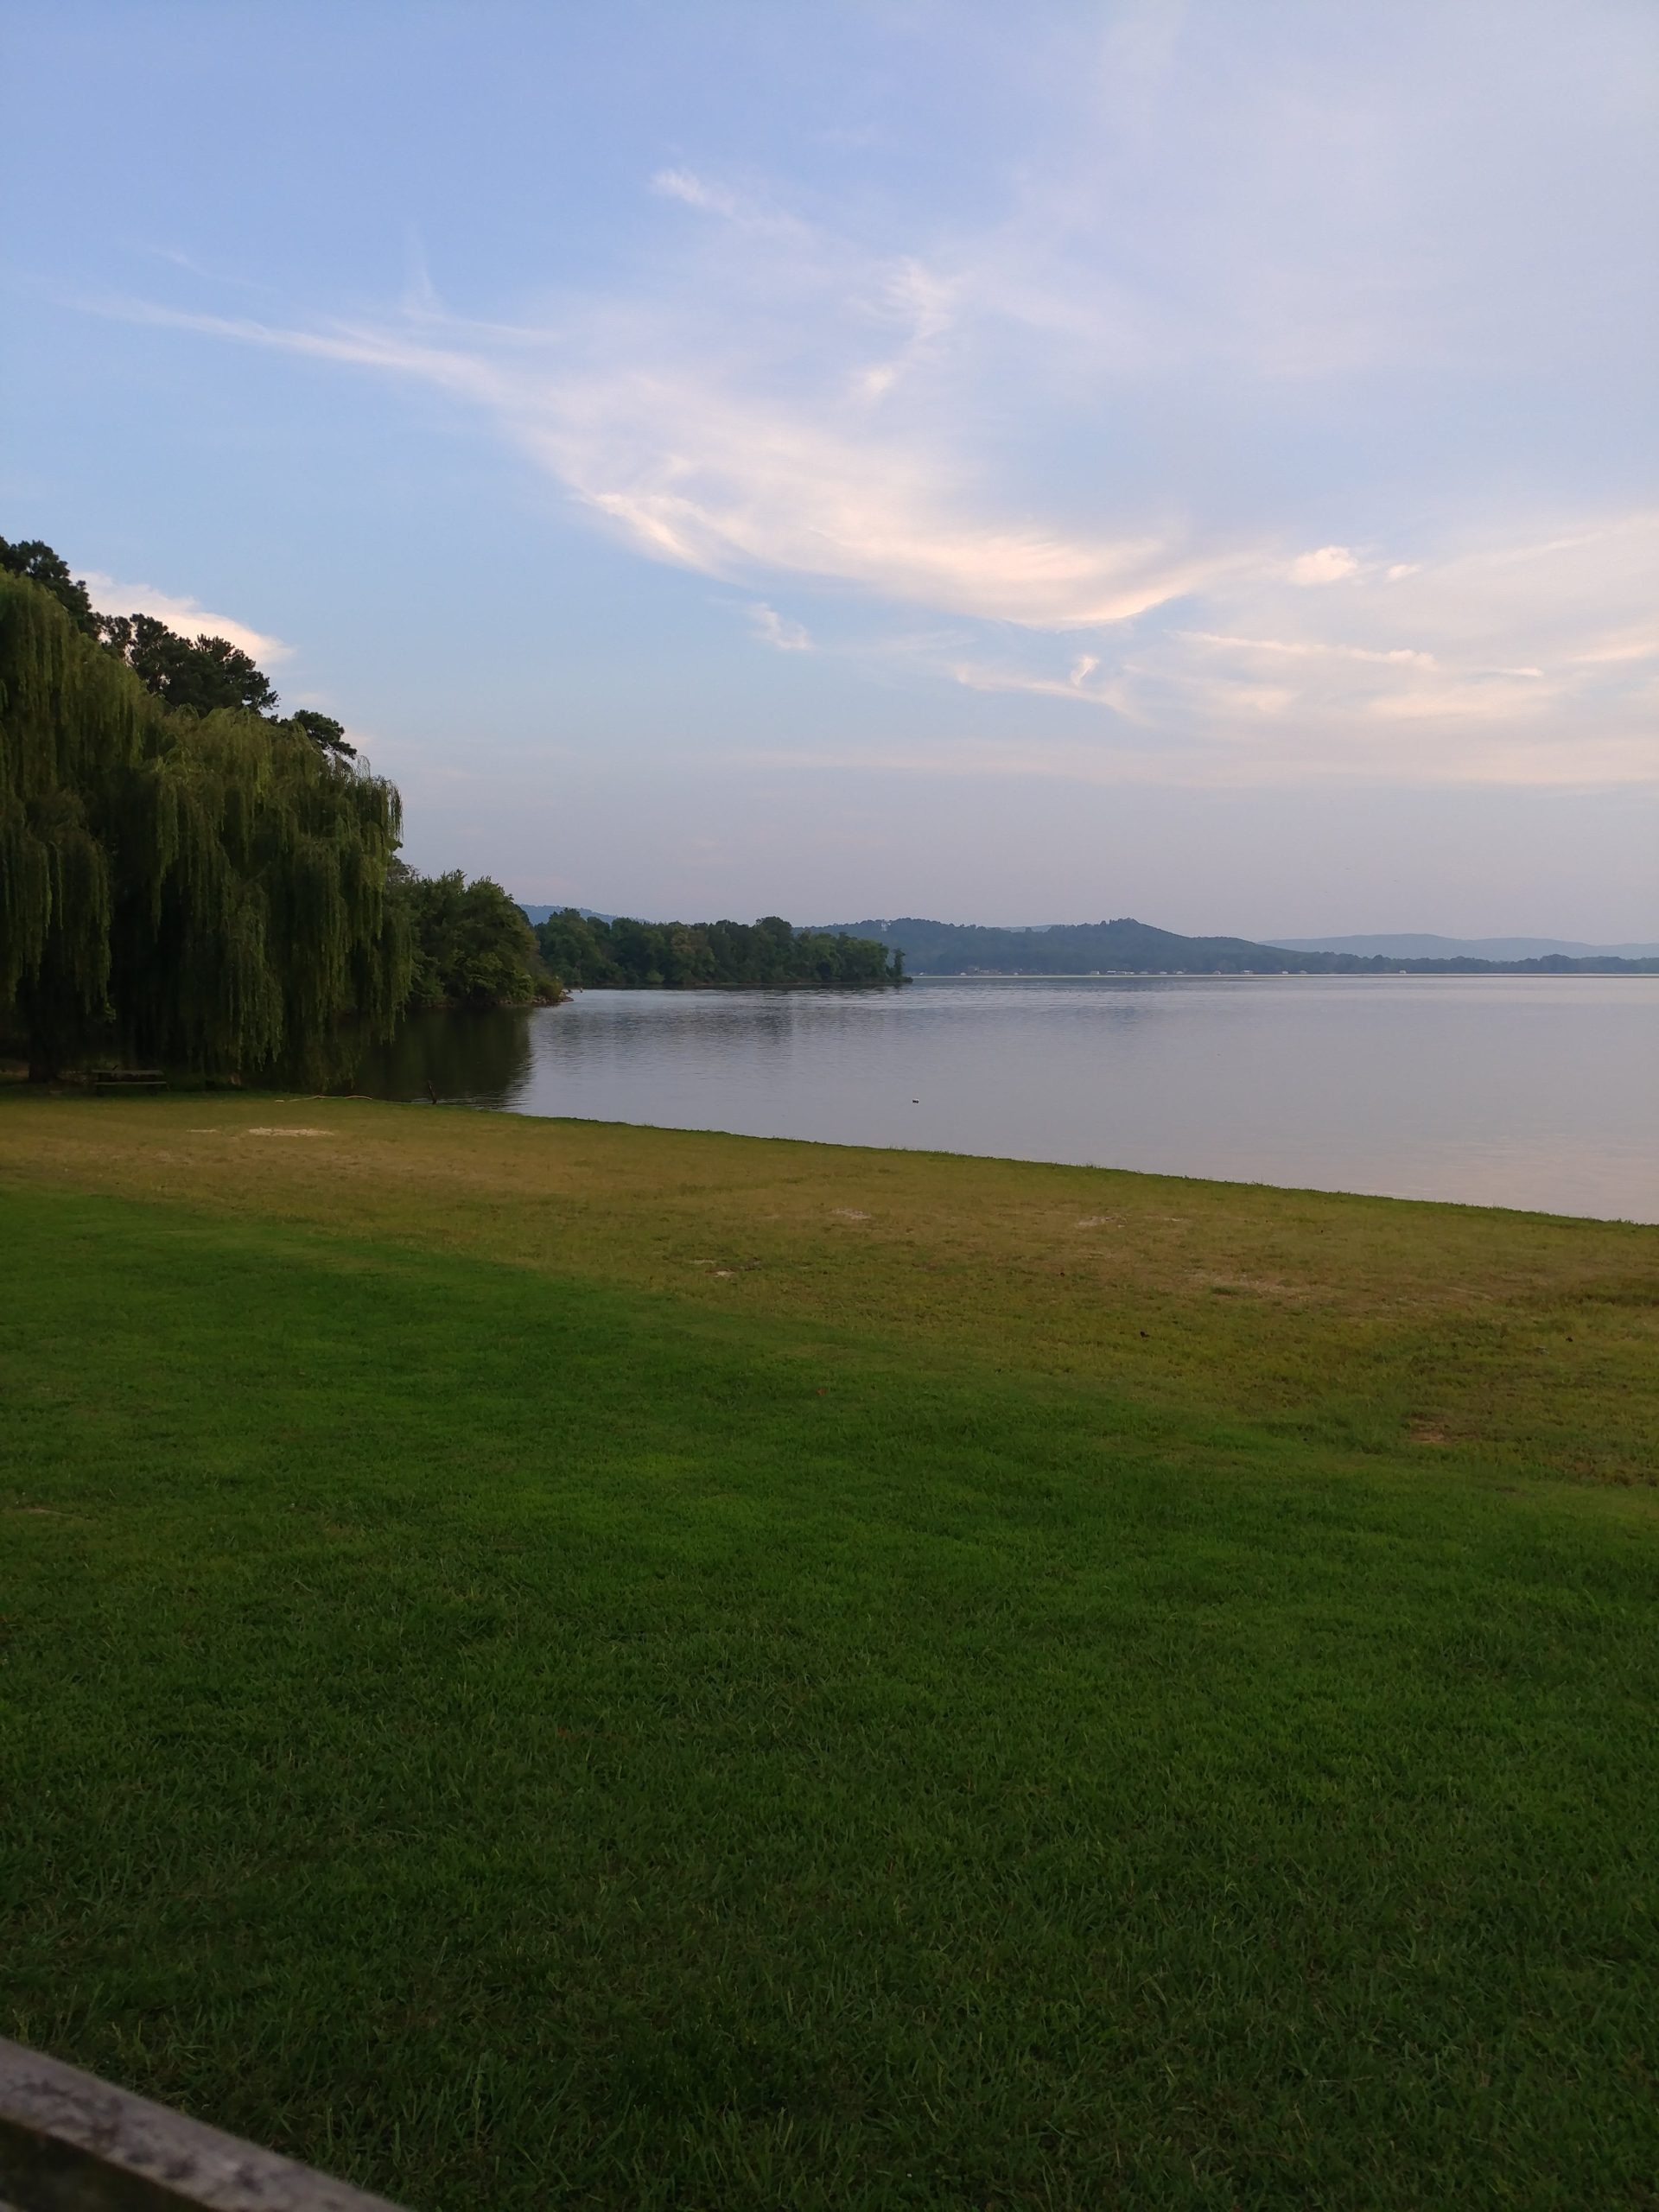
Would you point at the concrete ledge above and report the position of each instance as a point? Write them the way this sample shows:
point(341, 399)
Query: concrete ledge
point(71, 2143)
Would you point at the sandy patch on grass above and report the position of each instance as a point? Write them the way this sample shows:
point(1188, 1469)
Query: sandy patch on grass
point(1259, 1287)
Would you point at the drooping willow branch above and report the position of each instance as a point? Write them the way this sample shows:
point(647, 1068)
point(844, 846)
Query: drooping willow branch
point(202, 891)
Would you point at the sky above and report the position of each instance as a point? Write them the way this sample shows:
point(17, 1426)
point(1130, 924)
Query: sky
point(1013, 465)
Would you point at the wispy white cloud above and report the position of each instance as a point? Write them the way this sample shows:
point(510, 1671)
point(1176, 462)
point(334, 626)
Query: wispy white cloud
point(187, 616)
point(684, 184)
point(696, 471)
point(1640, 644)
point(922, 303)
point(744, 211)
point(775, 629)
point(1271, 758)
point(1520, 655)
point(1303, 649)
point(1117, 696)
point(1329, 565)
point(1324, 687)
point(922, 415)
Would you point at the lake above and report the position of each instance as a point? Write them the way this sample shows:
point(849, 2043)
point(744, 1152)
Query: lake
point(1532, 1091)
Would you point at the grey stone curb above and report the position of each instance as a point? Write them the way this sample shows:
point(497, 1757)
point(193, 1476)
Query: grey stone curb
point(71, 2143)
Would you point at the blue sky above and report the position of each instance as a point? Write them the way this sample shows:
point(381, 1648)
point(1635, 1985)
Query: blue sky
point(1193, 460)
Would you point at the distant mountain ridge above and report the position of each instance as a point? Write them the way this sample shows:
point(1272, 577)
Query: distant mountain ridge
point(1414, 945)
point(1128, 947)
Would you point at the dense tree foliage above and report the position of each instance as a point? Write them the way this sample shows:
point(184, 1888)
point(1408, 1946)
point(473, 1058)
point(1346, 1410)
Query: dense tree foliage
point(34, 558)
point(323, 730)
point(203, 673)
point(471, 944)
point(766, 955)
point(205, 889)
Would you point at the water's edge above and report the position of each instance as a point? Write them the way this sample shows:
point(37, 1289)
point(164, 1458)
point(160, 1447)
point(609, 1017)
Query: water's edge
point(1528, 1093)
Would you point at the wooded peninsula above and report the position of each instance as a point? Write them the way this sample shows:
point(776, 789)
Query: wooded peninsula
point(766, 955)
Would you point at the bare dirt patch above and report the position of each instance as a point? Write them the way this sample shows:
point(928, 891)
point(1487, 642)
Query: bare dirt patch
point(1259, 1287)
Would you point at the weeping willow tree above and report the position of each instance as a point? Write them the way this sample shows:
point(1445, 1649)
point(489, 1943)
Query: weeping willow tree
point(204, 891)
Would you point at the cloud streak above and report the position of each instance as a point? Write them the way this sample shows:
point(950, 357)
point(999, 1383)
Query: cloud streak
point(862, 417)
point(187, 616)
point(778, 631)
point(1523, 657)
point(697, 472)
point(1331, 692)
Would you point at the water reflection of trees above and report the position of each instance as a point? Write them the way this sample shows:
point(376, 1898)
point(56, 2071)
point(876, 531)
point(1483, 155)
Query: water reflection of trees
point(458, 1054)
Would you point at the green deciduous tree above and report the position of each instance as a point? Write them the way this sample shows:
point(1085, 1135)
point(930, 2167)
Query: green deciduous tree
point(766, 955)
point(325, 731)
point(34, 558)
point(472, 943)
point(202, 673)
point(206, 889)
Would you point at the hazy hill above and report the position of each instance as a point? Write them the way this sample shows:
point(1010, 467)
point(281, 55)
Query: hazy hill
point(535, 914)
point(1126, 946)
point(1415, 946)
point(1071, 949)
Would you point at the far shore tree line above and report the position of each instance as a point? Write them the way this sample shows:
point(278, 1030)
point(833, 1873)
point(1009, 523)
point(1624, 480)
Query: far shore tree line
point(190, 879)
point(767, 955)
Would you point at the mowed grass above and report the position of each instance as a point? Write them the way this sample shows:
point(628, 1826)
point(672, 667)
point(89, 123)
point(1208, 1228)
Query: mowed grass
point(549, 1664)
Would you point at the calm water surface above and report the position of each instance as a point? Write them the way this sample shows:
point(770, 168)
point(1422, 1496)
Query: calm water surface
point(1529, 1092)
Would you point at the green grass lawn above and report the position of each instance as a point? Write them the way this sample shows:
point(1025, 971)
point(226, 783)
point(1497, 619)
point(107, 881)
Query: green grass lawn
point(556, 1666)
